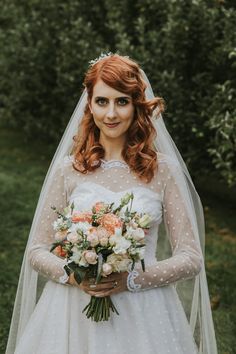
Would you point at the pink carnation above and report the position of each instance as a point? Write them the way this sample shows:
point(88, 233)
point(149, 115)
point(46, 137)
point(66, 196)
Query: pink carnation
point(81, 217)
point(110, 222)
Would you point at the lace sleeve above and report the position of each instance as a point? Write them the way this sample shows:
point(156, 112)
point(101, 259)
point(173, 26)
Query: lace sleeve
point(186, 260)
point(40, 257)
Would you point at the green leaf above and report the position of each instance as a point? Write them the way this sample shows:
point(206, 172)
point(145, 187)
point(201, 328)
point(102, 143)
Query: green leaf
point(79, 275)
point(143, 265)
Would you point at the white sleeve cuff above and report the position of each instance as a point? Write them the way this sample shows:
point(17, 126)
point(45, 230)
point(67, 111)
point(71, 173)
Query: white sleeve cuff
point(130, 281)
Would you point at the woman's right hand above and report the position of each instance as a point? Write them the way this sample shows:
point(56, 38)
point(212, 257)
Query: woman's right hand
point(105, 284)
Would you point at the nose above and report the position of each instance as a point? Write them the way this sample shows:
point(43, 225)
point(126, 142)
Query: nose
point(111, 113)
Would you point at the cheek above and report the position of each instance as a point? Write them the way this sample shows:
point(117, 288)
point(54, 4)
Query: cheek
point(98, 114)
point(128, 115)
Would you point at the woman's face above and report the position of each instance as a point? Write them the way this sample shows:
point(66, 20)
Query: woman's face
point(112, 110)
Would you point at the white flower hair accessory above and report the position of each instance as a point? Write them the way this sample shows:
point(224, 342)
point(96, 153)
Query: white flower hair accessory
point(102, 56)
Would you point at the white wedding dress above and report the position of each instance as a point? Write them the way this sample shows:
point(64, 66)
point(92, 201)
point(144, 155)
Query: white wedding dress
point(150, 321)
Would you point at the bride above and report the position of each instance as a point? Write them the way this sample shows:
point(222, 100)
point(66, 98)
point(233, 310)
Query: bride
point(121, 145)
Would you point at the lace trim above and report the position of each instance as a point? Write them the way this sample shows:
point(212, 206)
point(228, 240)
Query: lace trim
point(114, 163)
point(64, 278)
point(130, 281)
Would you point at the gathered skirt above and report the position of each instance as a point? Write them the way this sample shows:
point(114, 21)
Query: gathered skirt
point(149, 322)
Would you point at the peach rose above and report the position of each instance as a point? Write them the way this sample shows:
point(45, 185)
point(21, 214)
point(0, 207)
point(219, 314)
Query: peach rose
point(110, 222)
point(81, 217)
point(93, 236)
point(60, 235)
point(102, 232)
point(90, 257)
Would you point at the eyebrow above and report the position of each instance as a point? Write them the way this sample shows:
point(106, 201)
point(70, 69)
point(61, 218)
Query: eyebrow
point(98, 97)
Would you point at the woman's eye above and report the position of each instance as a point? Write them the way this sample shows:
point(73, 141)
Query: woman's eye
point(123, 101)
point(101, 101)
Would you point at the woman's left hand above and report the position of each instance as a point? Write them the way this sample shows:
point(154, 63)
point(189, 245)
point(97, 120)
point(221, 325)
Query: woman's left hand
point(112, 284)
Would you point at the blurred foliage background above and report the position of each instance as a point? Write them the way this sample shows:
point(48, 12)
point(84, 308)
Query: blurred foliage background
point(187, 49)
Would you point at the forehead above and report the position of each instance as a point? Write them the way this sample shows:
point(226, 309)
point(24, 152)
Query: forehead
point(102, 89)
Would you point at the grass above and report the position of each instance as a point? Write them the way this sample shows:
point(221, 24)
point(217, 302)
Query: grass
point(22, 170)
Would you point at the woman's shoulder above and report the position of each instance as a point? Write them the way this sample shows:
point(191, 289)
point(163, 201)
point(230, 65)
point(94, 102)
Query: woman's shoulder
point(167, 160)
point(64, 165)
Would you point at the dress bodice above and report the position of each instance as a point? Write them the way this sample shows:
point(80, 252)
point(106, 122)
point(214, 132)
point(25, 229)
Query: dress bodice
point(160, 197)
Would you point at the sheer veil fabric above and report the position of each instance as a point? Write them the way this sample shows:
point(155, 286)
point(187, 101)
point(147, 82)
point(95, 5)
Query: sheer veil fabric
point(193, 293)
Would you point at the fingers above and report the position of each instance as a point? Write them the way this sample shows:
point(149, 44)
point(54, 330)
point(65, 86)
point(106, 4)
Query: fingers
point(104, 293)
point(109, 285)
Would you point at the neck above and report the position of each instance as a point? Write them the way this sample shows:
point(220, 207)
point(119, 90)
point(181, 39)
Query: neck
point(113, 147)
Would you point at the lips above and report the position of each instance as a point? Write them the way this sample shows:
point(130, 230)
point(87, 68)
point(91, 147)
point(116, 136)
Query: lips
point(112, 125)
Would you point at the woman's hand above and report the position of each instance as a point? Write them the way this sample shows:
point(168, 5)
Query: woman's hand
point(112, 284)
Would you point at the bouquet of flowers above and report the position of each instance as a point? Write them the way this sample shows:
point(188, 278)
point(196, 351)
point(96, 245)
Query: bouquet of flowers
point(98, 242)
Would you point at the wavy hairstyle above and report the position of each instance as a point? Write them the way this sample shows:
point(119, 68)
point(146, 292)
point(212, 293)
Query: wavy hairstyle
point(124, 75)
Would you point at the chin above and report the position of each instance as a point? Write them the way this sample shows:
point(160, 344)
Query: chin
point(113, 135)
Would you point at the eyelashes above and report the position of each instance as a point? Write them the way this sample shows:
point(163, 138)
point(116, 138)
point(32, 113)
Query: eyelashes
point(121, 101)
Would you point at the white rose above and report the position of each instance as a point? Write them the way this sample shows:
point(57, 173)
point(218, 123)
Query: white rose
point(73, 237)
point(141, 252)
point(113, 240)
point(119, 262)
point(59, 225)
point(118, 231)
point(83, 226)
point(121, 246)
point(138, 234)
point(106, 269)
point(104, 241)
point(83, 262)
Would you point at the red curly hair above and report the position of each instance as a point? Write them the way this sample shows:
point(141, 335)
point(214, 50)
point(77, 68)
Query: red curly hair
point(124, 75)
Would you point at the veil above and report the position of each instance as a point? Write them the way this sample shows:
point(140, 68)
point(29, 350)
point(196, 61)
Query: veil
point(193, 293)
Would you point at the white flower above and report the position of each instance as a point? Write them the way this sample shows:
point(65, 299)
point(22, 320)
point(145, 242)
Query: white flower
point(60, 225)
point(144, 221)
point(137, 251)
point(77, 254)
point(133, 224)
point(118, 231)
point(83, 262)
point(141, 252)
point(113, 240)
point(127, 197)
point(138, 234)
point(119, 263)
point(73, 237)
point(104, 241)
point(122, 244)
point(83, 226)
point(93, 239)
point(106, 269)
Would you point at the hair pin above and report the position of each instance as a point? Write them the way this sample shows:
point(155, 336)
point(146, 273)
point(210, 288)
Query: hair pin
point(102, 56)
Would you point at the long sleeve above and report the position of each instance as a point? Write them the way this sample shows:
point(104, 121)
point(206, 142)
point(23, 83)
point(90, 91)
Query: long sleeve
point(40, 257)
point(186, 260)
